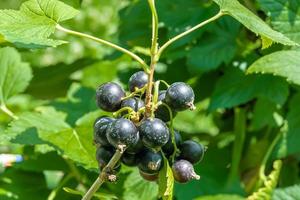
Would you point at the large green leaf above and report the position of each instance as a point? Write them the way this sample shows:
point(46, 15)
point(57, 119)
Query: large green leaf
point(137, 188)
point(285, 16)
point(32, 25)
point(52, 128)
point(289, 193)
point(253, 22)
point(235, 88)
point(218, 47)
point(281, 63)
point(14, 74)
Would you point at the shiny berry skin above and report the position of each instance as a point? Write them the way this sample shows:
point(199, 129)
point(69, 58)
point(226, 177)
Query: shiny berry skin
point(121, 132)
point(162, 112)
point(191, 151)
point(149, 177)
point(134, 103)
point(180, 96)
point(154, 133)
point(183, 171)
point(150, 162)
point(130, 159)
point(103, 156)
point(109, 96)
point(168, 148)
point(100, 127)
point(137, 80)
point(136, 147)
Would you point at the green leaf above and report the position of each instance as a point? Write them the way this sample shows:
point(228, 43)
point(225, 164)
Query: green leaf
point(253, 22)
point(235, 88)
point(289, 193)
point(32, 25)
point(52, 128)
point(218, 47)
point(14, 74)
point(281, 63)
point(137, 188)
point(166, 181)
point(221, 197)
point(284, 15)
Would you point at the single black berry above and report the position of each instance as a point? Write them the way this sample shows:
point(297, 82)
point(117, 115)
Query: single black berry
point(103, 156)
point(162, 112)
point(137, 80)
point(149, 177)
point(150, 162)
point(180, 96)
point(154, 133)
point(191, 151)
point(130, 159)
point(121, 133)
point(136, 147)
point(168, 148)
point(100, 127)
point(109, 96)
point(134, 103)
point(183, 171)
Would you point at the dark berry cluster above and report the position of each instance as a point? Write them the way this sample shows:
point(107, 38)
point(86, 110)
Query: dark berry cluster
point(145, 140)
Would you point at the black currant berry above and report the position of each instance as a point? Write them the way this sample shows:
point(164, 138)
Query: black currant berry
point(100, 127)
point(103, 156)
point(109, 96)
point(180, 96)
point(136, 147)
point(121, 132)
point(154, 133)
point(183, 171)
point(137, 80)
point(168, 148)
point(130, 159)
point(191, 151)
point(134, 103)
point(150, 162)
point(149, 177)
point(162, 112)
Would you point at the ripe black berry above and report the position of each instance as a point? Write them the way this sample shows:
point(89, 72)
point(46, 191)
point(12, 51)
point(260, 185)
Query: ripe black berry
point(130, 159)
point(150, 162)
point(154, 133)
point(136, 147)
point(149, 177)
point(191, 151)
point(100, 127)
point(168, 148)
point(109, 96)
point(183, 171)
point(121, 132)
point(134, 103)
point(103, 156)
point(180, 96)
point(162, 112)
point(137, 80)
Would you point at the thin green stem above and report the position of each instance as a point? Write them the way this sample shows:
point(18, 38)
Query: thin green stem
point(103, 175)
point(174, 39)
point(8, 112)
point(240, 133)
point(262, 168)
point(137, 91)
point(117, 113)
point(154, 58)
point(104, 42)
point(172, 131)
point(155, 97)
point(164, 82)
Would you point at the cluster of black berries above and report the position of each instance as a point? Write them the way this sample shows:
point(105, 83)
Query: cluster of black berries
point(146, 140)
